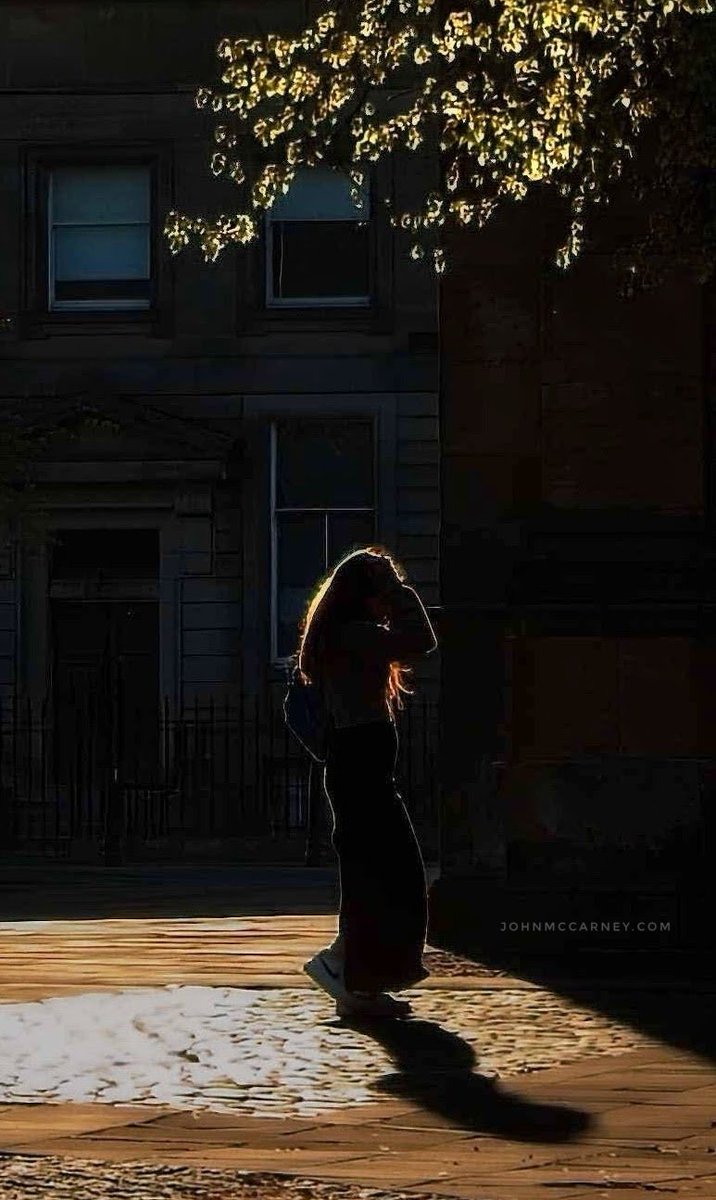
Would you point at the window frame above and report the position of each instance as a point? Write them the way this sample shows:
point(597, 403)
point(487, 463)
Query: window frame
point(331, 303)
point(254, 316)
point(126, 305)
point(38, 317)
point(312, 302)
point(277, 510)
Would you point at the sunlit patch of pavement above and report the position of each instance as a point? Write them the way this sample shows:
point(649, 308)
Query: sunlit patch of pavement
point(267, 1052)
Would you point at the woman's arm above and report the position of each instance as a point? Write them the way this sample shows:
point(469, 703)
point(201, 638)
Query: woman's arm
point(409, 623)
point(408, 634)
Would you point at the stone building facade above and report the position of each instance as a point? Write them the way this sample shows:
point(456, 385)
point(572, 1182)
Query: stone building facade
point(271, 409)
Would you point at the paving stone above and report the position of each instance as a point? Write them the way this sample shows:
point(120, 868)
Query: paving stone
point(671, 1081)
point(194, 1119)
point(639, 1124)
point(608, 1090)
point(700, 1141)
point(488, 1155)
point(589, 1066)
point(368, 1114)
point(577, 1175)
point(660, 1117)
point(462, 1190)
point(289, 1158)
point(20, 1122)
point(159, 1151)
point(368, 1137)
point(677, 1157)
point(388, 1172)
point(673, 1190)
point(470, 1189)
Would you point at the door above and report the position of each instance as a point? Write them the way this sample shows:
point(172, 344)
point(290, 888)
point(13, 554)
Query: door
point(105, 685)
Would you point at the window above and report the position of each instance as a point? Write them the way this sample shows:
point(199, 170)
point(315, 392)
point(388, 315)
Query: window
point(112, 553)
point(318, 244)
point(99, 254)
point(323, 506)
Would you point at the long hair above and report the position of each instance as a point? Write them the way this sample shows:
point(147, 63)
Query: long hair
point(341, 596)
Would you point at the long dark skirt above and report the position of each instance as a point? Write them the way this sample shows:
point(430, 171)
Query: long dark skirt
point(383, 907)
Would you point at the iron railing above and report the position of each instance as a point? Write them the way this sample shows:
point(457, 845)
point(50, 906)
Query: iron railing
point(95, 777)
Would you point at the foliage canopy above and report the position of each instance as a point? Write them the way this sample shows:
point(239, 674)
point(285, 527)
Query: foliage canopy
point(515, 93)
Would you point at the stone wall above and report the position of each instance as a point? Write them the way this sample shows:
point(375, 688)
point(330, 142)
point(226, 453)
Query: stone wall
point(578, 655)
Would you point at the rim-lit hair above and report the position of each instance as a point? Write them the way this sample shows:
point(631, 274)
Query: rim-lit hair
point(341, 596)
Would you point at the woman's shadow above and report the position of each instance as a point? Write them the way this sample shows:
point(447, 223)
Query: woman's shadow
point(435, 1069)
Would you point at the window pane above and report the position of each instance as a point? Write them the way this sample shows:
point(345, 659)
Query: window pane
point(116, 252)
point(315, 260)
point(132, 553)
point(300, 561)
point(324, 464)
point(348, 531)
point(320, 194)
point(103, 289)
point(101, 194)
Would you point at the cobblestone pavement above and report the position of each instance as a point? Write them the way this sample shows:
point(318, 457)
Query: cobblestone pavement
point(271, 1052)
point(23, 1178)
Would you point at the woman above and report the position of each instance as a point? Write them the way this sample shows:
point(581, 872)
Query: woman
point(361, 625)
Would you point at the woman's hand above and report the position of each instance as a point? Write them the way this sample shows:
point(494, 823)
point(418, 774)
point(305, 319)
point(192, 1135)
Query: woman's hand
point(387, 587)
point(385, 578)
point(378, 608)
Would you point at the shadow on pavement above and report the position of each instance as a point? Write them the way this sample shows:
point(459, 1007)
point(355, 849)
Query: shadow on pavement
point(435, 1069)
point(73, 893)
point(671, 998)
point(643, 956)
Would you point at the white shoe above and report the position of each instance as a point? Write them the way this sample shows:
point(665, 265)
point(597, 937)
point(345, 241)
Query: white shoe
point(327, 971)
point(382, 1004)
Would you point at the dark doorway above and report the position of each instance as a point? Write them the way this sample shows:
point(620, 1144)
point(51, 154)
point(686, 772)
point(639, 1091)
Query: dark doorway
point(105, 648)
point(105, 680)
